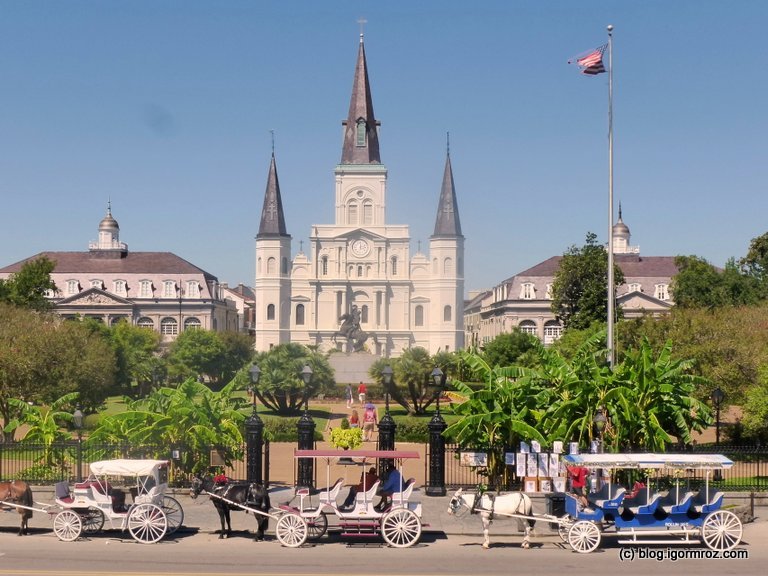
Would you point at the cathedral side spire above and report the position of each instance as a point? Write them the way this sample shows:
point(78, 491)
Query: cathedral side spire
point(272, 217)
point(447, 222)
point(361, 135)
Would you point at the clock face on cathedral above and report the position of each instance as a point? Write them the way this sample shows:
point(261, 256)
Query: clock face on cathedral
point(360, 248)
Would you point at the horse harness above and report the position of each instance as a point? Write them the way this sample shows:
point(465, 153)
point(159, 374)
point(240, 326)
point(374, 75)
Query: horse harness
point(476, 504)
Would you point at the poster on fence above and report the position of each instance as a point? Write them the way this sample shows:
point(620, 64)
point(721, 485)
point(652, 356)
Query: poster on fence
point(472, 459)
point(509, 458)
point(543, 465)
point(533, 465)
point(557, 446)
point(521, 466)
point(554, 465)
point(558, 484)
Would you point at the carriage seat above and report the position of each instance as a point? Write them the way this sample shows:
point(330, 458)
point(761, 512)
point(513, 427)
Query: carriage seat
point(63, 495)
point(701, 506)
point(681, 506)
point(366, 498)
point(609, 496)
point(103, 489)
point(401, 498)
point(328, 496)
point(642, 504)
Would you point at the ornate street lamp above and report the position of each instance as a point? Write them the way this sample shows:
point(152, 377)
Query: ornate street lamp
point(254, 433)
point(717, 397)
point(436, 478)
point(599, 421)
point(306, 429)
point(77, 419)
point(387, 426)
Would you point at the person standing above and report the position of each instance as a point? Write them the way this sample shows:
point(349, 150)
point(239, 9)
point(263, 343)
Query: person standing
point(349, 396)
point(362, 390)
point(370, 419)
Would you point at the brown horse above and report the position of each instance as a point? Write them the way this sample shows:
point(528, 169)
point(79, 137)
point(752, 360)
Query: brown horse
point(17, 492)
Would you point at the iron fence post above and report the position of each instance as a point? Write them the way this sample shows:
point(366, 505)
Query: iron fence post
point(254, 444)
point(436, 480)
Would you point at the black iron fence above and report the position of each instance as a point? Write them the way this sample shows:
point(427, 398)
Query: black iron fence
point(749, 472)
point(68, 461)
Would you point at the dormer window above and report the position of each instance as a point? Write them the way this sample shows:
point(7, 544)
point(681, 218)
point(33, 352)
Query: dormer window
point(635, 287)
point(193, 289)
point(169, 289)
point(118, 287)
point(73, 287)
point(361, 129)
point(145, 289)
point(527, 291)
point(662, 292)
point(97, 284)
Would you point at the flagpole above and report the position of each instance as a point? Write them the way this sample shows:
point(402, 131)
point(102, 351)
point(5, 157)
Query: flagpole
point(611, 295)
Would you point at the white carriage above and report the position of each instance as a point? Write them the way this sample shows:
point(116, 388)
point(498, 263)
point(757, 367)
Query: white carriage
point(678, 515)
point(103, 497)
point(399, 525)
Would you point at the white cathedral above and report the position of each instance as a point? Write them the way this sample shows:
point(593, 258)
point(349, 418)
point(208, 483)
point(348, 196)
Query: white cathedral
point(360, 265)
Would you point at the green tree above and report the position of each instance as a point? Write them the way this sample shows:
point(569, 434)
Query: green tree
point(43, 425)
point(215, 355)
point(191, 417)
point(43, 358)
point(238, 351)
point(755, 420)
point(27, 287)
point(755, 263)
point(508, 348)
point(136, 356)
point(580, 288)
point(281, 387)
point(699, 284)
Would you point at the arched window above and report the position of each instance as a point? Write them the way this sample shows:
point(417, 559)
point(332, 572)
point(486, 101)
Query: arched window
point(447, 314)
point(300, 314)
point(419, 315)
point(118, 287)
point(324, 265)
point(359, 271)
point(270, 312)
point(271, 265)
point(448, 266)
point(552, 331)
point(117, 319)
point(192, 324)
point(258, 265)
point(662, 291)
point(145, 322)
point(364, 314)
point(367, 213)
point(169, 326)
point(285, 265)
point(97, 284)
point(352, 213)
point(394, 265)
point(528, 327)
point(527, 291)
point(73, 286)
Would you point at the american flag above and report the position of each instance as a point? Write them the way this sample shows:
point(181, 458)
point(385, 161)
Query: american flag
point(592, 63)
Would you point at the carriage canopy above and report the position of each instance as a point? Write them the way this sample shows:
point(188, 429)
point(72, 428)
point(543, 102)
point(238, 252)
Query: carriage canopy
point(680, 461)
point(124, 467)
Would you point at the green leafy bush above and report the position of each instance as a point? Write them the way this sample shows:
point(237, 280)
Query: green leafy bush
point(346, 438)
point(282, 429)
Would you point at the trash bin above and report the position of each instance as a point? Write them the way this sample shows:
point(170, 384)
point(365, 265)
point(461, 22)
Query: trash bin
point(556, 505)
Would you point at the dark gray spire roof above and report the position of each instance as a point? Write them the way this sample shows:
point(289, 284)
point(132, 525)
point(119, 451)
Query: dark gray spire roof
point(357, 151)
point(447, 222)
point(272, 218)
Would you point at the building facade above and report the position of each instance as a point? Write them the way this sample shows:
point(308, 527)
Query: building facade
point(524, 300)
point(360, 266)
point(157, 290)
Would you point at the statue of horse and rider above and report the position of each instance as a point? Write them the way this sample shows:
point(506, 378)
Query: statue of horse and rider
point(350, 329)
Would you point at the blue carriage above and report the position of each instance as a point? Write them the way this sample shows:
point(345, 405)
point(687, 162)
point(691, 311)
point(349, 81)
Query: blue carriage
point(678, 514)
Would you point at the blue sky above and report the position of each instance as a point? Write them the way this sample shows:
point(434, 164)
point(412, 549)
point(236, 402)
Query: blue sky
point(165, 106)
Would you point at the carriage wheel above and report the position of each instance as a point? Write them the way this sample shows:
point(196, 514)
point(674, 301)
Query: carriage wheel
point(147, 523)
point(721, 530)
point(291, 530)
point(584, 537)
point(564, 526)
point(317, 526)
point(174, 513)
point(93, 520)
point(401, 528)
point(67, 525)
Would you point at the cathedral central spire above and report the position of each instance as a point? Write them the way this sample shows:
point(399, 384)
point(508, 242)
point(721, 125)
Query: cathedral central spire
point(361, 135)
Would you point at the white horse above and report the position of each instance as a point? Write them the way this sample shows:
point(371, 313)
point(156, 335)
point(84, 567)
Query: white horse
point(515, 504)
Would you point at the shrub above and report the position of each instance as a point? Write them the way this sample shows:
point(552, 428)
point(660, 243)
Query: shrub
point(283, 429)
point(346, 438)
